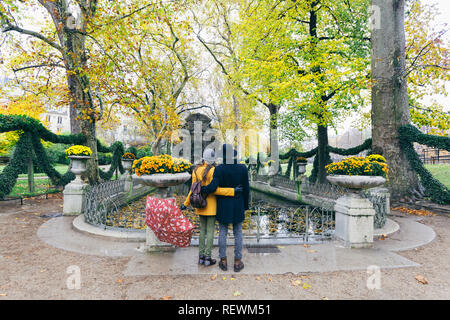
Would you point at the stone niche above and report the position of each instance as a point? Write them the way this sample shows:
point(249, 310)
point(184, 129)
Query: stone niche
point(194, 123)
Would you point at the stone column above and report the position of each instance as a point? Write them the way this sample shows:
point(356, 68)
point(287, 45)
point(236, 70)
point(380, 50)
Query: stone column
point(354, 221)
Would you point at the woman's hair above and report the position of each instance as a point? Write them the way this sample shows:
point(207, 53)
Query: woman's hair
point(205, 173)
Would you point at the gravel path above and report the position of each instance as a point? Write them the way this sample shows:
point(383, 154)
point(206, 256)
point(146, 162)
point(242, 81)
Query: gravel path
point(31, 269)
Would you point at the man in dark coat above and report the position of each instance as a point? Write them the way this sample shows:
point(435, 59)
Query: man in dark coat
point(230, 210)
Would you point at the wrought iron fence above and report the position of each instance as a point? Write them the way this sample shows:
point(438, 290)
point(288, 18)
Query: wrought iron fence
point(323, 189)
point(260, 178)
point(103, 205)
point(283, 182)
point(305, 223)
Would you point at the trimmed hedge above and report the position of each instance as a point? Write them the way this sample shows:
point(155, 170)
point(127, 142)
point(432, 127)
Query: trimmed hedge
point(409, 134)
point(31, 131)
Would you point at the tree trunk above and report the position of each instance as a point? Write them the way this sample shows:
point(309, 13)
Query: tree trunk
point(322, 155)
point(389, 93)
point(82, 110)
point(274, 148)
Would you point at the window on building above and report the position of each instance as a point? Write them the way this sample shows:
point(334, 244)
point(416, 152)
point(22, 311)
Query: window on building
point(59, 120)
point(48, 118)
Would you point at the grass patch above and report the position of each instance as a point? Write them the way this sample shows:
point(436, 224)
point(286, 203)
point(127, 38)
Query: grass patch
point(440, 172)
point(41, 186)
point(61, 168)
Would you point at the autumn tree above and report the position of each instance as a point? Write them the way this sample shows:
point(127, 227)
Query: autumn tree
point(144, 64)
point(427, 57)
point(66, 44)
point(310, 58)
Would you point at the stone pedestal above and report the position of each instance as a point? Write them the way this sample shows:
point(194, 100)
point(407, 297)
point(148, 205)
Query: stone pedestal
point(354, 221)
point(74, 192)
point(153, 244)
point(128, 179)
point(74, 197)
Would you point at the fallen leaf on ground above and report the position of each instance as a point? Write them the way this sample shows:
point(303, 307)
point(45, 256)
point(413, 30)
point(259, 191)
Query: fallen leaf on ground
point(421, 279)
point(382, 237)
point(3, 294)
point(224, 278)
point(232, 278)
point(119, 280)
point(306, 286)
point(270, 279)
point(43, 270)
point(214, 277)
point(258, 278)
point(324, 298)
point(165, 298)
point(311, 251)
point(415, 212)
point(306, 246)
point(280, 247)
point(236, 293)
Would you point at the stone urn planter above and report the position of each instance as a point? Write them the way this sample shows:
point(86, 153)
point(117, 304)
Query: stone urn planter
point(355, 214)
point(162, 181)
point(127, 164)
point(301, 168)
point(78, 166)
point(356, 183)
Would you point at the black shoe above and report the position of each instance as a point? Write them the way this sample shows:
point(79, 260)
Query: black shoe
point(238, 265)
point(201, 259)
point(223, 264)
point(209, 261)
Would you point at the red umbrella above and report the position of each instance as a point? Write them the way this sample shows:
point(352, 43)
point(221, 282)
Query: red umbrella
point(168, 222)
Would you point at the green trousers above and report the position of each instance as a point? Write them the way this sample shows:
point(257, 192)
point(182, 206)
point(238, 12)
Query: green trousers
point(206, 238)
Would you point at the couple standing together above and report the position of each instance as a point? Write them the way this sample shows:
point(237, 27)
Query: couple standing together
point(226, 188)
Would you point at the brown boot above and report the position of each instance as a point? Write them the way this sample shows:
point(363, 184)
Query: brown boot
point(223, 264)
point(238, 265)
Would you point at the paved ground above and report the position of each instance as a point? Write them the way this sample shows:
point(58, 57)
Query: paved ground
point(34, 269)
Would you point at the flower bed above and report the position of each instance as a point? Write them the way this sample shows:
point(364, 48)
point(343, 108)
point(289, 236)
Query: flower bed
point(160, 164)
point(373, 165)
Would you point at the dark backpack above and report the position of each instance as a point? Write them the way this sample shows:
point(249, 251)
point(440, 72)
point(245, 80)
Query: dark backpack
point(196, 198)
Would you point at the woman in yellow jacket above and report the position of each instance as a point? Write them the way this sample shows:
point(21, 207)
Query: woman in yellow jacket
point(207, 214)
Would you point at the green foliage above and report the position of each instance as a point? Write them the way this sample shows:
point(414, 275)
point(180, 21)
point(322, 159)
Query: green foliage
point(10, 173)
point(56, 154)
point(144, 152)
point(31, 132)
point(104, 158)
point(132, 150)
point(116, 163)
point(407, 136)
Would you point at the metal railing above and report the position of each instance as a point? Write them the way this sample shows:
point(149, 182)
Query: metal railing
point(304, 223)
point(103, 203)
